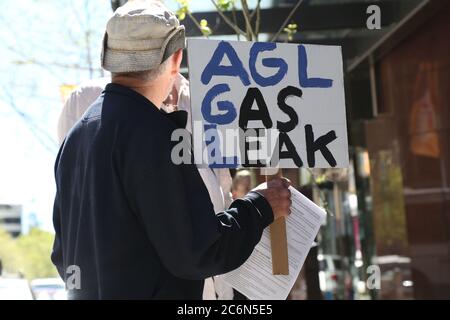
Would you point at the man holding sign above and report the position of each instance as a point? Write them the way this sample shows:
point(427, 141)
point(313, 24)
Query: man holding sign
point(132, 222)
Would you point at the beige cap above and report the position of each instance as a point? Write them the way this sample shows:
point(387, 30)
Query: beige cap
point(140, 36)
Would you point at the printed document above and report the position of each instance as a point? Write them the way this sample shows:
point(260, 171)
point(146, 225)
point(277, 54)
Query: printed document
point(254, 278)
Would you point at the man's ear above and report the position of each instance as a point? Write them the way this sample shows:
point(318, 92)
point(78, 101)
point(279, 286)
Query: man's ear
point(176, 61)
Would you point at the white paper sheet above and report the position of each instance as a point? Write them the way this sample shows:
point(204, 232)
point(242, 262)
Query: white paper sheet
point(254, 278)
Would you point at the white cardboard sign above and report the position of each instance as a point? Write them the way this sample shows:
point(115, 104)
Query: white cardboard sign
point(267, 104)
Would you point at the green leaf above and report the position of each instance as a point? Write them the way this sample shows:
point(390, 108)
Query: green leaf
point(225, 5)
point(290, 30)
point(183, 9)
point(181, 15)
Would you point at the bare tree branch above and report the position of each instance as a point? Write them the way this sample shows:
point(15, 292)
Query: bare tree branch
point(87, 39)
point(38, 133)
point(246, 13)
point(47, 64)
point(258, 19)
point(228, 21)
point(74, 52)
point(258, 5)
point(275, 37)
point(233, 11)
point(197, 24)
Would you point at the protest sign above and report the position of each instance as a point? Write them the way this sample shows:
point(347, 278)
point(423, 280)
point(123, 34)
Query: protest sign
point(258, 104)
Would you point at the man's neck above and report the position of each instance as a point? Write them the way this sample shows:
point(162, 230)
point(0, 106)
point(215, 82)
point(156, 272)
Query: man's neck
point(149, 90)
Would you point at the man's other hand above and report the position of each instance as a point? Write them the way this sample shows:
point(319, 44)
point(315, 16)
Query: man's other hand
point(278, 195)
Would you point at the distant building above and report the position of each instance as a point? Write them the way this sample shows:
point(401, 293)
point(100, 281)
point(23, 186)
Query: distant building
point(11, 218)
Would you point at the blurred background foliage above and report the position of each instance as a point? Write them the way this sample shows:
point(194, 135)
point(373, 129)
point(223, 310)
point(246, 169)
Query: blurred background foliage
point(27, 255)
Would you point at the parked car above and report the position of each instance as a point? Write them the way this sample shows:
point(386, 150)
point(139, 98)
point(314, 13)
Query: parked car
point(331, 276)
point(49, 289)
point(15, 289)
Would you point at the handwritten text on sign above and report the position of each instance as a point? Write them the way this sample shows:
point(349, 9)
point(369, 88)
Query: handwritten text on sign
point(267, 104)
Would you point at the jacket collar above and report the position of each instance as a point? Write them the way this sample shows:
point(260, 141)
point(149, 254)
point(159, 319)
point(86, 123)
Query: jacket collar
point(178, 117)
point(120, 89)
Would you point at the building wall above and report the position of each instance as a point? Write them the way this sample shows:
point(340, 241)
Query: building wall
point(413, 131)
point(11, 218)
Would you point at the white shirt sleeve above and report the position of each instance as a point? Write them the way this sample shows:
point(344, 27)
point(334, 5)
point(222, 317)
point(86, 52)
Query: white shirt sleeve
point(77, 103)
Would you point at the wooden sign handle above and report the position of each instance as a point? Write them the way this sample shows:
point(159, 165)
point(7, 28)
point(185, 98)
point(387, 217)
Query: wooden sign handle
point(278, 240)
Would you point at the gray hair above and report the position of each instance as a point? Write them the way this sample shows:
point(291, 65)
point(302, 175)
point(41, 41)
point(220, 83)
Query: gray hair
point(146, 76)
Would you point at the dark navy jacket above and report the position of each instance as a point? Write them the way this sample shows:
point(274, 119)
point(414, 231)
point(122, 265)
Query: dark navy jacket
point(137, 225)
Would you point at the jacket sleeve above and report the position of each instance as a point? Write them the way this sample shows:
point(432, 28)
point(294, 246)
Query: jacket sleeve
point(57, 254)
point(173, 206)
